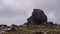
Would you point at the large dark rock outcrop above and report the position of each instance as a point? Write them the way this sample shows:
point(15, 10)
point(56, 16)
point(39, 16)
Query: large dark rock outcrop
point(38, 17)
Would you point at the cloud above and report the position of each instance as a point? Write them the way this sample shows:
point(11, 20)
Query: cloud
point(17, 11)
point(13, 20)
point(14, 11)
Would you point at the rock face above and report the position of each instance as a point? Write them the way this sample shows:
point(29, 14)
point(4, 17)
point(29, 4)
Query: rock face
point(38, 17)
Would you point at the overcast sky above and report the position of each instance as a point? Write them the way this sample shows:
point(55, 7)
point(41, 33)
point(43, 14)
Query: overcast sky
point(17, 11)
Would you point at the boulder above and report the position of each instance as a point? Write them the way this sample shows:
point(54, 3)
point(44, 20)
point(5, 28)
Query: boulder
point(38, 17)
